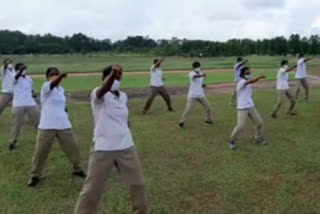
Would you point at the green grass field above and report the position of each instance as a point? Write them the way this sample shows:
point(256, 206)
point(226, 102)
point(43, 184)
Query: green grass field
point(95, 62)
point(187, 171)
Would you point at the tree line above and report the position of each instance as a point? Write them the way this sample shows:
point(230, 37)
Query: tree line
point(16, 42)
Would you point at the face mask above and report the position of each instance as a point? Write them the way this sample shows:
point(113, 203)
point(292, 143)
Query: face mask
point(248, 76)
point(116, 85)
point(285, 67)
point(10, 66)
point(24, 72)
point(198, 69)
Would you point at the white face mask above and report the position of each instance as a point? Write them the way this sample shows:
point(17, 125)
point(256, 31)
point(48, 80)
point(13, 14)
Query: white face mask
point(10, 66)
point(285, 67)
point(248, 76)
point(198, 69)
point(24, 72)
point(116, 85)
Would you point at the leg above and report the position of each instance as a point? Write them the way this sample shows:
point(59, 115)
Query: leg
point(34, 116)
point(70, 146)
point(189, 106)
point(130, 170)
point(256, 118)
point(18, 115)
point(305, 85)
point(164, 94)
point(44, 142)
point(5, 100)
point(292, 101)
point(99, 168)
point(233, 100)
point(281, 95)
point(153, 93)
point(298, 88)
point(206, 105)
point(242, 119)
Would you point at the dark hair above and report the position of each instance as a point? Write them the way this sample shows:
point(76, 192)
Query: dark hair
point(243, 71)
point(284, 62)
point(155, 61)
point(50, 69)
point(239, 59)
point(106, 72)
point(18, 65)
point(5, 60)
point(196, 64)
point(300, 55)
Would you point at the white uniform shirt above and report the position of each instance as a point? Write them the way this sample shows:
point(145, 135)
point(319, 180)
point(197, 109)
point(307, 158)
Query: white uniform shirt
point(156, 76)
point(7, 77)
point(196, 86)
point(53, 108)
point(301, 69)
point(237, 70)
point(282, 79)
point(22, 92)
point(244, 94)
point(111, 130)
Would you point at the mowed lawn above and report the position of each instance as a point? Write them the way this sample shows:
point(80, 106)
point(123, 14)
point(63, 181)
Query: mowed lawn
point(143, 80)
point(188, 171)
point(132, 62)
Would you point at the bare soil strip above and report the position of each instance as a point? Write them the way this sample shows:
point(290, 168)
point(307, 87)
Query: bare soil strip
point(83, 96)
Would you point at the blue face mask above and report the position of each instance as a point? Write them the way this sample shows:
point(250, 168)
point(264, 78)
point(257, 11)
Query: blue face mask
point(248, 76)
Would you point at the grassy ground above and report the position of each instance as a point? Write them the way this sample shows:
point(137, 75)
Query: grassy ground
point(95, 62)
point(187, 171)
point(142, 80)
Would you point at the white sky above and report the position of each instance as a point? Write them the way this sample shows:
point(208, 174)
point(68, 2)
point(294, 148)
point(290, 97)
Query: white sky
point(192, 19)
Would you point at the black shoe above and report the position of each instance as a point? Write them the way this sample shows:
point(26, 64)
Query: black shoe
point(33, 181)
point(292, 114)
point(208, 122)
point(80, 174)
point(171, 109)
point(274, 116)
point(181, 124)
point(12, 146)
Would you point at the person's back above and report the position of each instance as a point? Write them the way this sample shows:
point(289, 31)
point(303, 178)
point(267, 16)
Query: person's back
point(156, 79)
point(22, 92)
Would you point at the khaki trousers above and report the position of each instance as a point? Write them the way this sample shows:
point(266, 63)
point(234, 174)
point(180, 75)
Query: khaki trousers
point(45, 140)
point(153, 93)
point(233, 100)
point(99, 169)
point(19, 113)
point(190, 104)
point(282, 95)
point(302, 83)
point(5, 100)
point(243, 115)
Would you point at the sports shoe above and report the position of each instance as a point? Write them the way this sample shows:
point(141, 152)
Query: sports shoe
point(273, 115)
point(232, 145)
point(208, 122)
point(292, 114)
point(80, 174)
point(181, 124)
point(33, 181)
point(12, 146)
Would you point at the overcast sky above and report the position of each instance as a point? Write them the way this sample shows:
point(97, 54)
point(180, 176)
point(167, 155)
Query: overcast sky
point(192, 19)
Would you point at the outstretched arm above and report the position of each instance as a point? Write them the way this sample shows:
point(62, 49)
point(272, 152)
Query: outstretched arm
point(291, 69)
point(19, 73)
point(57, 81)
point(242, 63)
point(306, 60)
point(255, 80)
point(159, 62)
point(107, 84)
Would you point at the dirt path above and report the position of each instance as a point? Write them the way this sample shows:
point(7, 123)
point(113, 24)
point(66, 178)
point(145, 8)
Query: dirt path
point(86, 74)
point(83, 96)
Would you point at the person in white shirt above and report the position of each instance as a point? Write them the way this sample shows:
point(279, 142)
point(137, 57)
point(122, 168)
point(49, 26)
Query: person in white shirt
point(7, 75)
point(246, 109)
point(301, 76)
point(237, 69)
point(54, 123)
point(157, 86)
point(284, 90)
point(23, 103)
point(196, 94)
point(113, 146)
